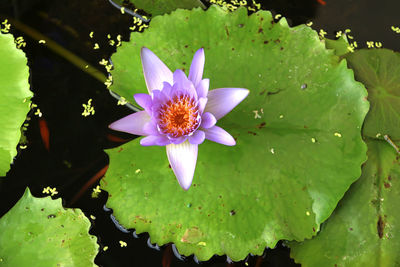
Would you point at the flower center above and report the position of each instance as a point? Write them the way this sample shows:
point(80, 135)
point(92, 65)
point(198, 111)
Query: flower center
point(179, 116)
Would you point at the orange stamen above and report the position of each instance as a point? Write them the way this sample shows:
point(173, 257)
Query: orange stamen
point(179, 116)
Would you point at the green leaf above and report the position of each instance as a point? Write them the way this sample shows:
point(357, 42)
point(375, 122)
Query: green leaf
point(159, 7)
point(340, 46)
point(379, 71)
point(14, 99)
point(364, 228)
point(282, 179)
point(40, 232)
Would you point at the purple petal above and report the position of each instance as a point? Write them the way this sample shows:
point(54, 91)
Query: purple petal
point(132, 123)
point(202, 88)
point(144, 100)
point(202, 104)
point(183, 159)
point(182, 84)
point(219, 135)
point(166, 88)
point(159, 98)
point(153, 140)
point(197, 138)
point(154, 70)
point(150, 128)
point(222, 101)
point(177, 140)
point(197, 66)
point(208, 120)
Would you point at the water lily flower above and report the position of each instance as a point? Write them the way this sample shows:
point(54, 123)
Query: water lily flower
point(180, 112)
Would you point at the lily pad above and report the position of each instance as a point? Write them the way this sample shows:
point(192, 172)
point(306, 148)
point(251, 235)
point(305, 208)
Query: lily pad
point(340, 46)
point(364, 228)
point(159, 7)
point(40, 232)
point(14, 99)
point(298, 149)
point(379, 71)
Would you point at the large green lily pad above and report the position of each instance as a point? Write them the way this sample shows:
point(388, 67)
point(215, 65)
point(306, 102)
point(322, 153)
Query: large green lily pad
point(364, 228)
point(14, 98)
point(379, 71)
point(159, 7)
point(292, 163)
point(40, 232)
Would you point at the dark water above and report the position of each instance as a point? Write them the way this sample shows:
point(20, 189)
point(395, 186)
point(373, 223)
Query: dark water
point(76, 143)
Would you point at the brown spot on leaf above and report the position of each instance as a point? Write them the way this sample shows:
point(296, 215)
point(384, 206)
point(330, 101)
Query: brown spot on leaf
point(253, 133)
point(262, 92)
point(266, 42)
point(227, 31)
point(281, 48)
point(186, 46)
point(233, 49)
point(261, 125)
point(389, 178)
point(386, 184)
point(313, 229)
point(260, 30)
point(380, 226)
point(277, 41)
point(232, 212)
point(120, 149)
point(351, 229)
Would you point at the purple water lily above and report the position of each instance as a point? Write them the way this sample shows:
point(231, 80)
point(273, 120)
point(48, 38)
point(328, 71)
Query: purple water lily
point(179, 112)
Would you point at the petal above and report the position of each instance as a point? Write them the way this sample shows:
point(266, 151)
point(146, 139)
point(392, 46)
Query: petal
point(219, 135)
point(153, 140)
point(177, 140)
point(197, 138)
point(159, 98)
point(154, 70)
point(166, 88)
point(208, 120)
point(182, 84)
point(222, 101)
point(150, 128)
point(197, 66)
point(202, 88)
point(144, 100)
point(202, 104)
point(132, 123)
point(183, 159)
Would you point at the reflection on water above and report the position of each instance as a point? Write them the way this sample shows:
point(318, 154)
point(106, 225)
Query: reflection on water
point(71, 154)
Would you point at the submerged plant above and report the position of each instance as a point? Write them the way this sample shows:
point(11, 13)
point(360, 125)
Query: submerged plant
point(180, 113)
